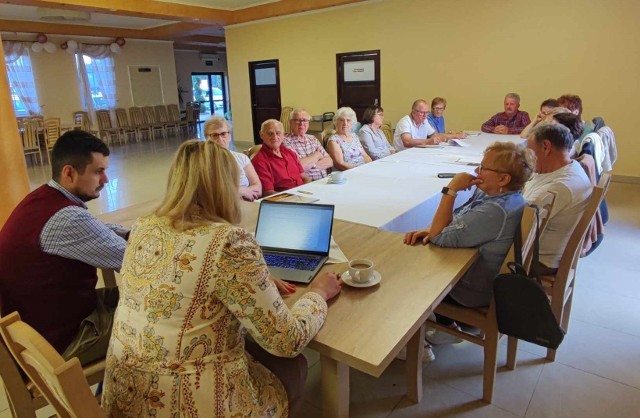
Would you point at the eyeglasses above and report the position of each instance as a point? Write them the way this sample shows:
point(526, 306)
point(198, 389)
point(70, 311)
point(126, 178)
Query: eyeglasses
point(421, 113)
point(439, 108)
point(218, 135)
point(300, 121)
point(481, 167)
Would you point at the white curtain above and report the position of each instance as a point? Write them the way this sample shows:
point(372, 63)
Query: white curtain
point(20, 75)
point(96, 77)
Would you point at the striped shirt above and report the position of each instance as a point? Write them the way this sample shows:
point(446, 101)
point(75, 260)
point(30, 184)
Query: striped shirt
point(305, 146)
point(74, 233)
point(515, 123)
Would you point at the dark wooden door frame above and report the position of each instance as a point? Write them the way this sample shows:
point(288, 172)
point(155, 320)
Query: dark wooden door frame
point(357, 56)
point(253, 65)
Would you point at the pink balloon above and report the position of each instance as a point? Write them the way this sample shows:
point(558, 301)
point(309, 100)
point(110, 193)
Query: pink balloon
point(41, 37)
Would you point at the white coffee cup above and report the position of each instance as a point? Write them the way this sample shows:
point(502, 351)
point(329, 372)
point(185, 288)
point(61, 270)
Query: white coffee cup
point(337, 176)
point(361, 270)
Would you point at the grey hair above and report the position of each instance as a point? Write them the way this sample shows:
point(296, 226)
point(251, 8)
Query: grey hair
point(299, 110)
point(345, 112)
point(268, 122)
point(216, 122)
point(559, 135)
point(514, 96)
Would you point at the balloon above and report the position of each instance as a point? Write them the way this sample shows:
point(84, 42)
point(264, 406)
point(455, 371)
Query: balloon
point(120, 41)
point(36, 47)
point(41, 38)
point(72, 45)
point(64, 45)
point(115, 48)
point(50, 47)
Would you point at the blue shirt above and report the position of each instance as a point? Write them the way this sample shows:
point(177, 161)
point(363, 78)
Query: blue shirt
point(489, 224)
point(436, 122)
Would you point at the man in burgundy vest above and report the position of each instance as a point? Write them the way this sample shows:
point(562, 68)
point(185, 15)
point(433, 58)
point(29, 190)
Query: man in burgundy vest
point(50, 248)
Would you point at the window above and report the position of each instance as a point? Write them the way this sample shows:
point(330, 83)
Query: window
point(97, 81)
point(21, 83)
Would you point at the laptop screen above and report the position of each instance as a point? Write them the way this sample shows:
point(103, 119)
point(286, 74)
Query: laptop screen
point(294, 226)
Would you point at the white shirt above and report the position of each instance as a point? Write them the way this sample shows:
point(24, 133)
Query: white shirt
point(572, 188)
point(406, 125)
point(242, 161)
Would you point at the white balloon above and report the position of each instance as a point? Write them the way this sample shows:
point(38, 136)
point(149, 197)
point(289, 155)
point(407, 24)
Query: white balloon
point(50, 47)
point(115, 48)
point(36, 47)
point(73, 45)
point(70, 51)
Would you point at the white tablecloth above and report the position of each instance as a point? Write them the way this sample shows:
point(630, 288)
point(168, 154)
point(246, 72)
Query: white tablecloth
point(401, 192)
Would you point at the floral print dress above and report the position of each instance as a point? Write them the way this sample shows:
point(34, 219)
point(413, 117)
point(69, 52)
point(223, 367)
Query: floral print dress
point(187, 300)
point(352, 152)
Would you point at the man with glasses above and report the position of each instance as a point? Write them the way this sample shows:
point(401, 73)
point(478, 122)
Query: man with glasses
point(313, 157)
point(414, 130)
point(510, 122)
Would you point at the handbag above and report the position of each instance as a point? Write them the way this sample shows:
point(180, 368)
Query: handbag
point(523, 309)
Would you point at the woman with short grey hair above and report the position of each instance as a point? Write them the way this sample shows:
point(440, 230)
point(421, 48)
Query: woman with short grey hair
point(344, 146)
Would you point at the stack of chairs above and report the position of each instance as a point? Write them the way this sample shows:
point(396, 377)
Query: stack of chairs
point(124, 127)
point(30, 142)
point(163, 117)
point(174, 116)
point(138, 120)
point(51, 133)
point(153, 123)
point(106, 129)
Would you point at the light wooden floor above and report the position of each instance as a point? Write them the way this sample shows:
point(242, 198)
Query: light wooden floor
point(597, 371)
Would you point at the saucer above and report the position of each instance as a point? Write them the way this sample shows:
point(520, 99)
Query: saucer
point(337, 182)
point(346, 277)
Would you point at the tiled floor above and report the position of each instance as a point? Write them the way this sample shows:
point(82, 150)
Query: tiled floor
point(597, 371)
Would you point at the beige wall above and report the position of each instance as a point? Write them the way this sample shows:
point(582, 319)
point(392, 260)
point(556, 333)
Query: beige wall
point(57, 83)
point(470, 52)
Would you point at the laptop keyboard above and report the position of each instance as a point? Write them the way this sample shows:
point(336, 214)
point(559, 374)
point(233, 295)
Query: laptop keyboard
point(308, 263)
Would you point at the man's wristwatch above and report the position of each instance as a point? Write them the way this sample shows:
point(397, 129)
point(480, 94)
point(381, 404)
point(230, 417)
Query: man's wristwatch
point(450, 192)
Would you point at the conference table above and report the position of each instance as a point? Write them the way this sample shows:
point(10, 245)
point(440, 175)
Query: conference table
point(367, 327)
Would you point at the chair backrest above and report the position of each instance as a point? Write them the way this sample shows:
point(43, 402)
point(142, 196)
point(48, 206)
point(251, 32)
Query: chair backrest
point(149, 115)
point(174, 112)
point(81, 119)
point(573, 250)
point(61, 382)
point(104, 119)
point(161, 113)
point(325, 134)
point(122, 120)
point(137, 118)
point(285, 114)
point(388, 131)
point(20, 399)
point(30, 137)
point(253, 150)
point(51, 131)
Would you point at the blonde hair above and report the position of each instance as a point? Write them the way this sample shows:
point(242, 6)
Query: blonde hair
point(515, 160)
point(215, 122)
point(201, 188)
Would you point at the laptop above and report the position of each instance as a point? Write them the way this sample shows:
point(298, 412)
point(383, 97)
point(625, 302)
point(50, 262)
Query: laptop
point(295, 238)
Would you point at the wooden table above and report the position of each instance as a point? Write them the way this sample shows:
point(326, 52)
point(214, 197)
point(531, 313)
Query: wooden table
point(366, 328)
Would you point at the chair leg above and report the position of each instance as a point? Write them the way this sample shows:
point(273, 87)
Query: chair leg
point(551, 354)
point(512, 352)
point(490, 364)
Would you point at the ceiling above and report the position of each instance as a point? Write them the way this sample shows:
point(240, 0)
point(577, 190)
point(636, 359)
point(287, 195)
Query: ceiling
point(190, 24)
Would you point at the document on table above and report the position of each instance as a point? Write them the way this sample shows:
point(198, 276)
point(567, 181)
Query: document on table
point(458, 142)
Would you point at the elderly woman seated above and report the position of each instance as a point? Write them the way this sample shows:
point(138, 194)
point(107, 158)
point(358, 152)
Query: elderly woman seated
point(487, 221)
point(218, 130)
point(344, 146)
point(193, 285)
point(371, 136)
point(277, 166)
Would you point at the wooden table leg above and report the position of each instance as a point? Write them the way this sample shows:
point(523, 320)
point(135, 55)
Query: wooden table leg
point(335, 388)
point(415, 350)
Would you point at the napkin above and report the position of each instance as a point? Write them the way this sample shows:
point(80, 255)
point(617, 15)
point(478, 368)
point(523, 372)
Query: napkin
point(335, 254)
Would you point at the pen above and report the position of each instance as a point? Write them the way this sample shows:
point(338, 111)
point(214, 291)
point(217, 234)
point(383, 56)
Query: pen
point(305, 192)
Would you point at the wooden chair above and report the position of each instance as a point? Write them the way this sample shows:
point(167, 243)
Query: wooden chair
point(253, 150)
point(151, 120)
point(485, 318)
point(25, 397)
point(560, 286)
point(193, 118)
point(138, 121)
point(51, 133)
point(105, 127)
point(124, 127)
point(162, 116)
point(174, 116)
point(388, 131)
point(323, 136)
point(30, 142)
point(285, 114)
point(82, 121)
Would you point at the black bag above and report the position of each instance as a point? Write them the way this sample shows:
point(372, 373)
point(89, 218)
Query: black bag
point(522, 307)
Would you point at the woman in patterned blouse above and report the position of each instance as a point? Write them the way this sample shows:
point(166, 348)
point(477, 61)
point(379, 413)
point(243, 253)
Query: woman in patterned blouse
point(344, 146)
point(193, 284)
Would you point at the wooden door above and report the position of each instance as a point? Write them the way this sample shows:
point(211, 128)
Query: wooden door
point(358, 75)
point(264, 78)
